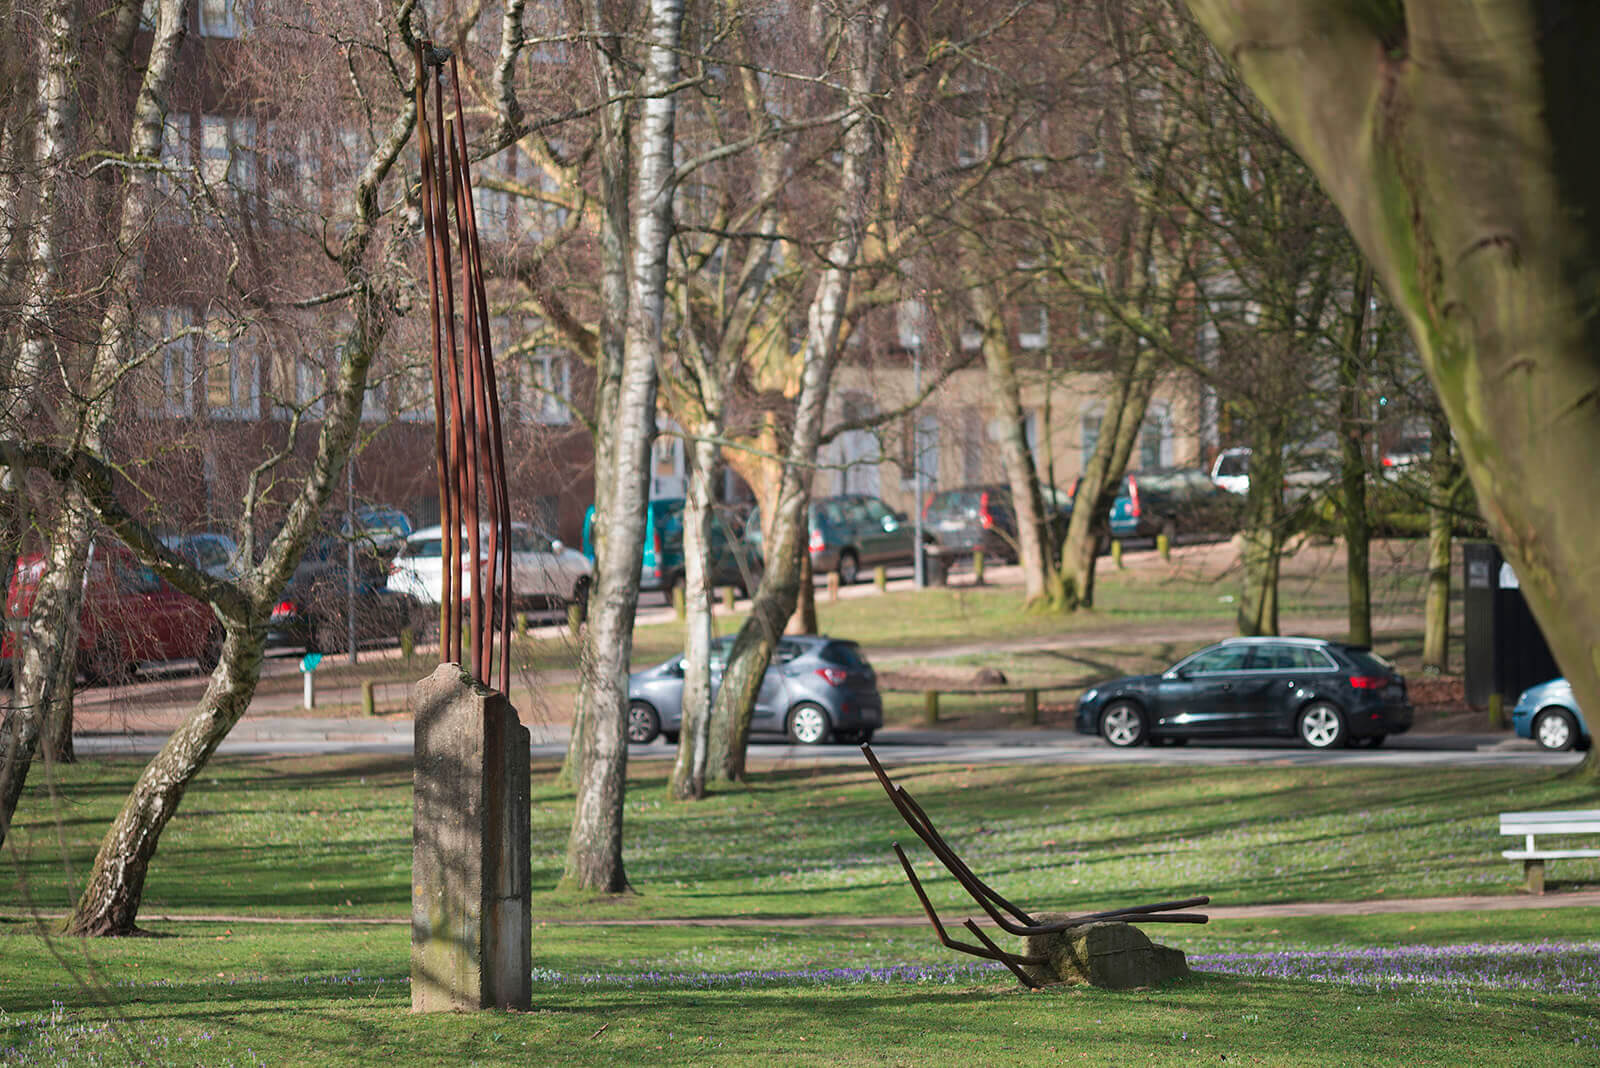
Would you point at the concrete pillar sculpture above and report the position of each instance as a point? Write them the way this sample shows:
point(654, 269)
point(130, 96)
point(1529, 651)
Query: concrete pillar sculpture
point(471, 920)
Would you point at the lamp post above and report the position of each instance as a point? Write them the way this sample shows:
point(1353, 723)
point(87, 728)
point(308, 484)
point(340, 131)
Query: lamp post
point(919, 568)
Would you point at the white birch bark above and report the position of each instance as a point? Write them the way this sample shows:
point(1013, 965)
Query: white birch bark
point(594, 847)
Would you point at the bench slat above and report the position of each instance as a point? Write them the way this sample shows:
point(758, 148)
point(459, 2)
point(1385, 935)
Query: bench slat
point(1548, 854)
point(1537, 817)
point(1551, 828)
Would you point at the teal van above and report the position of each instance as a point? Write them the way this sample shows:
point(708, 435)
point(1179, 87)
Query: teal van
point(662, 568)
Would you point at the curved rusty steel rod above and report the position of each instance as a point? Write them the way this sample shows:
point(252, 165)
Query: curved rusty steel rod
point(938, 928)
point(430, 205)
point(924, 829)
point(450, 559)
point(1003, 957)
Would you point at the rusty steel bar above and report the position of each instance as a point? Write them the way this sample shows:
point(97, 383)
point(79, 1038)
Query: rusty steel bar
point(924, 830)
point(468, 432)
point(488, 419)
point(1003, 957)
point(938, 928)
point(429, 226)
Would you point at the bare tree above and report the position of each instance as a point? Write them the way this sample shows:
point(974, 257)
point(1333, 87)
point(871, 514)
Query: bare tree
point(1455, 139)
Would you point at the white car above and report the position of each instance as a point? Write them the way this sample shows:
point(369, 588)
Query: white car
point(543, 571)
point(1231, 470)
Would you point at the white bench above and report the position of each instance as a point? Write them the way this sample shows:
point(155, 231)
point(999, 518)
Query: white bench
point(1529, 824)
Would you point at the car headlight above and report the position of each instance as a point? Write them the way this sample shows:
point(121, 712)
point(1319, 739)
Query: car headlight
point(1090, 696)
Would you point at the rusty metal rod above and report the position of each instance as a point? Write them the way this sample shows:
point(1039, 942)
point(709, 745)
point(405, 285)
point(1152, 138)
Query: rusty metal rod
point(429, 206)
point(938, 928)
point(919, 823)
point(470, 400)
point(456, 460)
point(1003, 957)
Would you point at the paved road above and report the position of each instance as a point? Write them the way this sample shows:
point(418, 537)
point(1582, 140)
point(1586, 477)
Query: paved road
point(291, 735)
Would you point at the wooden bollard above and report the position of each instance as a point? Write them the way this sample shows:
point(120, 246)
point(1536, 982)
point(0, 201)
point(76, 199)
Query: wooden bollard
point(408, 643)
point(727, 597)
point(1497, 710)
point(930, 706)
point(680, 607)
point(522, 624)
point(369, 699)
point(1116, 552)
point(1164, 546)
point(1030, 706)
point(977, 567)
point(833, 585)
point(880, 577)
point(574, 617)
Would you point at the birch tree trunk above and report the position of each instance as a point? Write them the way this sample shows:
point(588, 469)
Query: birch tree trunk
point(1457, 139)
point(594, 847)
point(785, 541)
point(689, 770)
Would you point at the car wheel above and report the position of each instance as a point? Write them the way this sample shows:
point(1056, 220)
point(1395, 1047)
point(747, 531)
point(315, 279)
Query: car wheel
point(849, 568)
point(1122, 724)
point(1321, 726)
point(643, 723)
point(210, 654)
point(808, 725)
point(580, 599)
point(1555, 729)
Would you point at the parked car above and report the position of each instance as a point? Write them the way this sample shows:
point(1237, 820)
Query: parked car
point(1231, 470)
point(314, 609)
point(215, 554)
point(1325, 693)
point(1174, 501)
point(383, 526)
point(1406, 456)
point(543, 570)
point(848, 533)
point(968, 518)
point(817, 689)
point(1549, 714)
point(130, 615)
point(662, 568)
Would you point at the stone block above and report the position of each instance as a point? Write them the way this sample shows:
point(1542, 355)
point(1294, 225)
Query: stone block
point(471, 920)
point(1117, 956)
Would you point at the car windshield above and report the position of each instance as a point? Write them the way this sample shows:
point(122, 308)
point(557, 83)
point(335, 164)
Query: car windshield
point(1234, 465)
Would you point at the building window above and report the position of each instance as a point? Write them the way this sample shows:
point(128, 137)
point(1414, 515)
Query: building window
point(543, 387)
point(228, 154)
point(1091, 434)
point(170, 390)
point(231, 374)
point(493, 212)
point(971, 336)
point(222, 18)
point(1033, 330)
point(910, 319)
point(974, 145)
point(1155, 439)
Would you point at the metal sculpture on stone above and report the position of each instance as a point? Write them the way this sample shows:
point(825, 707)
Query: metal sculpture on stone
point(1098, 947)
point(471, 925)
point(466, 405)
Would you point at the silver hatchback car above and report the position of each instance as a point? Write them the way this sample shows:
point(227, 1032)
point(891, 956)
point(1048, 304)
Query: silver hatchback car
point(817, 689)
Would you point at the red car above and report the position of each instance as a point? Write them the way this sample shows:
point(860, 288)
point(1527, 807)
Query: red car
point(130, 615)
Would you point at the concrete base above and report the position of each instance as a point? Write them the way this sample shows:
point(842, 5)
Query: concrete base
point(471, 921)
point(1116, 956)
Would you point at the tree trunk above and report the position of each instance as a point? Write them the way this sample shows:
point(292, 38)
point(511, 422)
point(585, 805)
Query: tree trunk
point(1353, 432)
point(688, 780)
point(1022, 474)
point(774, 601)
point(111, 898)
point(594, 848)
point(1442, 480)
point(804, 619)
point(1457, 139)
point(1129, 398)
point(1264, 530)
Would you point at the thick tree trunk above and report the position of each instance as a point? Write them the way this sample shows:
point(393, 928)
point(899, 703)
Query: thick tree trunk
point(1442, 482)
point(689, 770)
point(775, 600)
point(111, 897)
point(1126, 404)
point(804, 619)
point(1353, 433)
point(1022, 474)
point(1457, 139)
point(594, 847)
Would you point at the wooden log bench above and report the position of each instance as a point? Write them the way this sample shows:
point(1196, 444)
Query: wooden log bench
point(1532, 824)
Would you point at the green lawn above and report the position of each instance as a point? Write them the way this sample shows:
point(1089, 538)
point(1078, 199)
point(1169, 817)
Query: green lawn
point(330, 837)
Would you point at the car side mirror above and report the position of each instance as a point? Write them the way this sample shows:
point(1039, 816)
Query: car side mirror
point(557, 545)
point(890, 523)
point(1176, 673)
